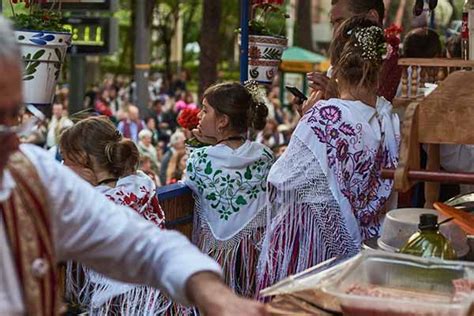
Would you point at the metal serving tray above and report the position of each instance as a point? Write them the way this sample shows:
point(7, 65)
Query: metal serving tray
point(424, 285)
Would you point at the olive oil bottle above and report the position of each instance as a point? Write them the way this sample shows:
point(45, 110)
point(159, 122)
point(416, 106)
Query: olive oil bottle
point(428, 242)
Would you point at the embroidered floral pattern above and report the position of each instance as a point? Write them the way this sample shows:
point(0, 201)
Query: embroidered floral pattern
point(356, 167)
point(147, 207)
point(228, 191)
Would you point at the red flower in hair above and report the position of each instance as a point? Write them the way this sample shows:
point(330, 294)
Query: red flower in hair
point(188, 118)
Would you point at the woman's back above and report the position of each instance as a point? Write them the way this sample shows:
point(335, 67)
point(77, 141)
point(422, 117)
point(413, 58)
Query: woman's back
point(231, 184)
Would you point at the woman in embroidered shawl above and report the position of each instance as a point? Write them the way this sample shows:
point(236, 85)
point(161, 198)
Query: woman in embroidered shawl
point(229, 182)
point(326, 194)
point(98, 152)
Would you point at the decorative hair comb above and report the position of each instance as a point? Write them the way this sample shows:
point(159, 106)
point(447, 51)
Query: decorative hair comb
point(258, 95)
point(371, 40)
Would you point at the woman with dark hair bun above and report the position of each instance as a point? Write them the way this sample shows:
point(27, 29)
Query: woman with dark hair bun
point(326, 194)
point(228, 179)
point(96, 151)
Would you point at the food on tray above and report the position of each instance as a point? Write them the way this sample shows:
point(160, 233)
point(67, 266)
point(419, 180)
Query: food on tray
point(387, 292)
point(463, 288)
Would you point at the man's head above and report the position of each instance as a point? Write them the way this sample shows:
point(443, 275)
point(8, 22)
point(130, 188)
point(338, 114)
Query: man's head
point(10, 89)
point(133, 113)
point(343, 9)
point(58, 110)
point(422, 43)
point(157, 105)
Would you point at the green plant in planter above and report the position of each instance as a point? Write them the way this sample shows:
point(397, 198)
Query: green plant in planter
point(30, 15)
point(268, 18)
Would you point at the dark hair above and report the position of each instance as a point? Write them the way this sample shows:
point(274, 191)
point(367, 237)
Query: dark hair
point(454, 47)
point(421, 43)
point(357, 62)
point(235, 101)
point(362, 7)
point(97, 137)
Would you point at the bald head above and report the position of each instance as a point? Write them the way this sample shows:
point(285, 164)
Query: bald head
point(133, 113)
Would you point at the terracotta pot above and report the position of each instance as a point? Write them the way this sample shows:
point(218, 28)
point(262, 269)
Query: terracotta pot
point(43, 55)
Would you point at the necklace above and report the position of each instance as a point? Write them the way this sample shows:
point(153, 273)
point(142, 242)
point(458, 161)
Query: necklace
point(231, 138)
point(107, 180)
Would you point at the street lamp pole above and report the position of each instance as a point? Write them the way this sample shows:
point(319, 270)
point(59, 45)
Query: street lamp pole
point(244, 40)
point(142, 55)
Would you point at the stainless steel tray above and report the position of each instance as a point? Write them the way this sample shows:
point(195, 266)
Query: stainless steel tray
point(424, 285)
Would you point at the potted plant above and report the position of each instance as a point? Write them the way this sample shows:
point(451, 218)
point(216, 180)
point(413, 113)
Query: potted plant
point(267, 39)
point(43, 42)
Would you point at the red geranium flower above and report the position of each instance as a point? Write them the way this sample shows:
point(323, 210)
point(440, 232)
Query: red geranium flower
point(392, 35)
point(188, 118)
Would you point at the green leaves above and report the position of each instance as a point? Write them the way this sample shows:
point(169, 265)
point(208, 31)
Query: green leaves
point(40, 20)
point(211, 197)
point(208, 169)
point(57, 65)
point(31, 64)
point(248, 173)
point(241, 200)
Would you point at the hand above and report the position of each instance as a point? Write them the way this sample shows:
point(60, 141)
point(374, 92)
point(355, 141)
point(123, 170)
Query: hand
point(318, 80)
point(213, 298)
point(202, 138)
point(316, 95)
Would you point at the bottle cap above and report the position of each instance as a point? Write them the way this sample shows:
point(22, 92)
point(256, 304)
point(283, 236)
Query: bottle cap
point(428, 221)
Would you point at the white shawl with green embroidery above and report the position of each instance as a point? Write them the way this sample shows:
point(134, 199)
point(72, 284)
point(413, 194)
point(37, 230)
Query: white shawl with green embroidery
point(230, 201)
point(230, 185)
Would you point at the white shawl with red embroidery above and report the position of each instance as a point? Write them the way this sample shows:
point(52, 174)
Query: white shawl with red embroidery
point(104, 296)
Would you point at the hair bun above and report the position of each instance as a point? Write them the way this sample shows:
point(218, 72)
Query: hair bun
point(257, 115)
point(123, 156)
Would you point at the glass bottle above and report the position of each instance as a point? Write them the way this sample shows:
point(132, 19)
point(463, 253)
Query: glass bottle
point(428, 242)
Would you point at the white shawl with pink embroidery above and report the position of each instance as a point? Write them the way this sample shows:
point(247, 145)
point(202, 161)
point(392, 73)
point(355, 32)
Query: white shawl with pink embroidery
point(325, 193)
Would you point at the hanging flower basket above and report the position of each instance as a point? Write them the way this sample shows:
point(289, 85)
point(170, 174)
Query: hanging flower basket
point(266, 40)
point(43, 54)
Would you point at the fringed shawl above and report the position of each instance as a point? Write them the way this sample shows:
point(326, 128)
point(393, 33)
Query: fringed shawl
point(104, 296)
point(230, 194)
point(325, 193)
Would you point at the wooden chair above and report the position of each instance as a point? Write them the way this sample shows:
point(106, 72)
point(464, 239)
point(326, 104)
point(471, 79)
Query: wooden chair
point(443, 117)
point(429, 70)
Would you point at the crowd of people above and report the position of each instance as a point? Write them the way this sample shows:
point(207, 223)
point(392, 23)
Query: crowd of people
point(277, 188)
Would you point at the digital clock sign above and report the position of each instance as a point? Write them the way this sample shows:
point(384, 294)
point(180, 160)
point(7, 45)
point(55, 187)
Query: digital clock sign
point(91, 35)
point(80, 5)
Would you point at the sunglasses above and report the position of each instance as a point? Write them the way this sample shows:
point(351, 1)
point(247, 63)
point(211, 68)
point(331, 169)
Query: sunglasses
point(419, 6)
point(26, 128)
